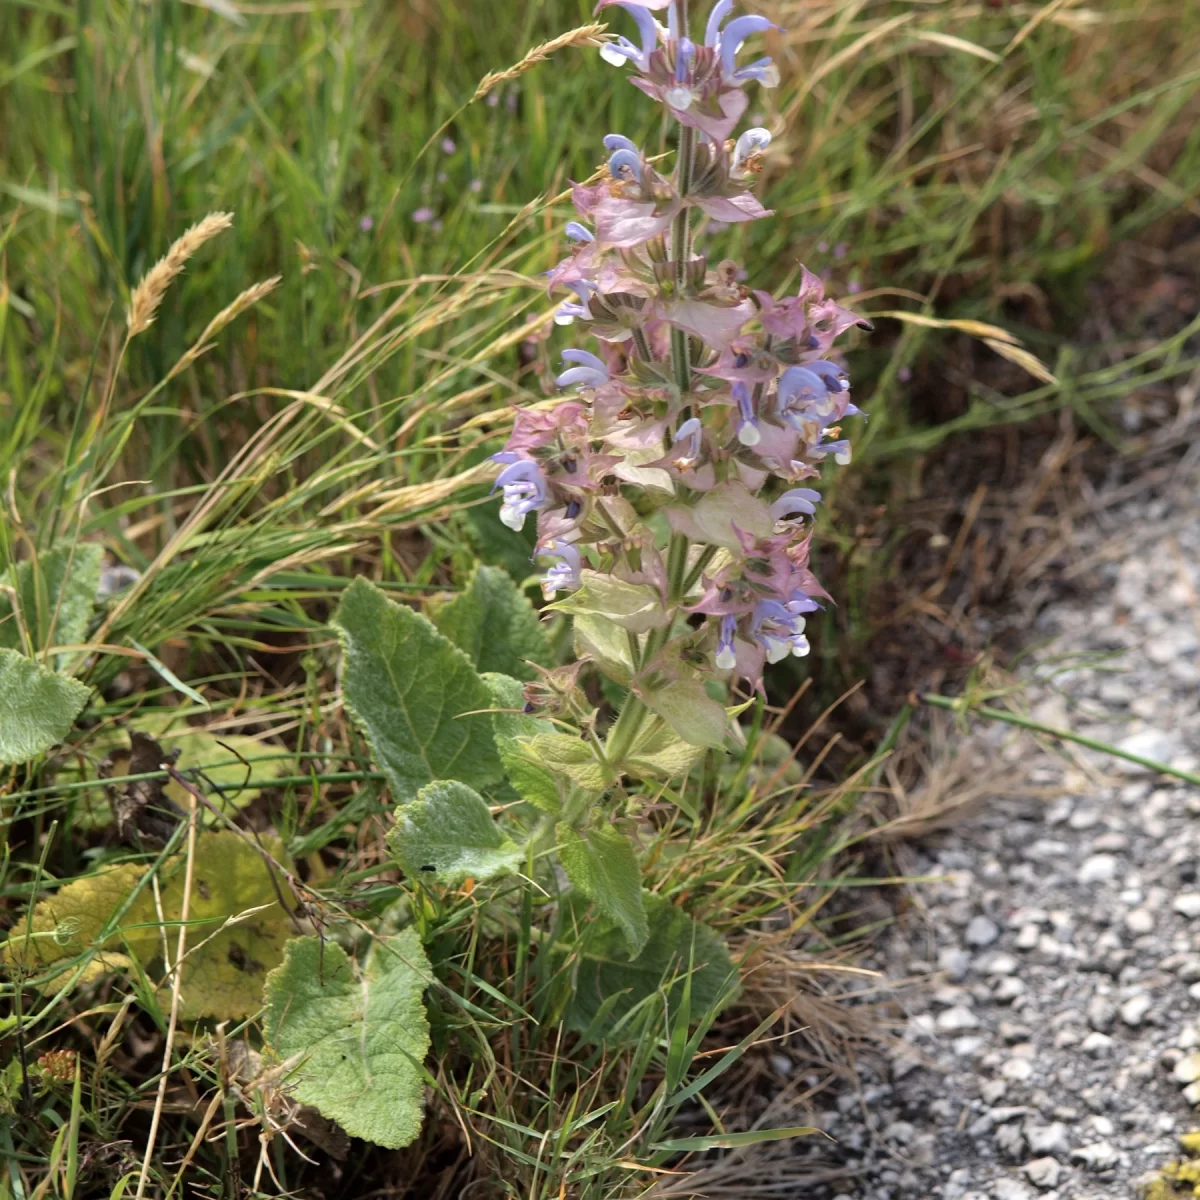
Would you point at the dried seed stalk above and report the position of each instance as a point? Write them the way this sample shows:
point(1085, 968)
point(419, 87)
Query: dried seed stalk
point(585, 35)
point(147, 296)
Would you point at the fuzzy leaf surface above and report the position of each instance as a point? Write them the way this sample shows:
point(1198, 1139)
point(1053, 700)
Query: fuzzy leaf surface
point(689, 710)
point(512, 728)
point(677, 945)
point(37, 707)
point(55, 595)
point(602, 863)
point(663, 753)
point(606, 643)
point(634, 606)
point(570, 756)
point(416, 696)
point(448, 834)
point(359, 1037)
point(494, 624)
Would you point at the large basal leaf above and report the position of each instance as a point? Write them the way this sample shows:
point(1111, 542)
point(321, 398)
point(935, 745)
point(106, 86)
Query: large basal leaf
point(37, 707)
point(493, 623)
point(357, 1039)
point(602, 864)
point(448, 834)
point(228, 961)
point(677, 946)
point(513, 729)
point(417, 697)
point(236, 927)
point(55, 594)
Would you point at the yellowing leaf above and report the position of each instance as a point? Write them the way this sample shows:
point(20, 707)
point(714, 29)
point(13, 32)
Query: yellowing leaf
point(236, 927)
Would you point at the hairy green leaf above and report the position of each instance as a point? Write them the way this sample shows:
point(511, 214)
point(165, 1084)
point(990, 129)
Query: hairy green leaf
point(662, 752)
point(566, 755)
point(494, 624)
point(448, 834)
point(634, 606)
point(512, 728)
point(602, 863)
point(606, 643)
point(416, 695)
point(357, 1038)
point(717, 516)
point(677, 946)
point(689, 710)
point(37, 707)
point(55, 594)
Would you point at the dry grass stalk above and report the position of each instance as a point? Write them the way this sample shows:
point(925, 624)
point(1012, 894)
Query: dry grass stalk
point(585, 35)
point(247, 299)
point(176, 969)
point(147, 296)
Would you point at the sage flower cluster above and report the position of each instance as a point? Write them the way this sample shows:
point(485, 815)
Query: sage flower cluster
point(672, 483)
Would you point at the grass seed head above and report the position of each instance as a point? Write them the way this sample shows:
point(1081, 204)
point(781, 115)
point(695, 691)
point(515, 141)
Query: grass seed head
point(147, 296)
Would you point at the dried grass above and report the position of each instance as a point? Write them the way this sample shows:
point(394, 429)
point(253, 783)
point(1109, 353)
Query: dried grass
point(584, 35)
point(149, 293)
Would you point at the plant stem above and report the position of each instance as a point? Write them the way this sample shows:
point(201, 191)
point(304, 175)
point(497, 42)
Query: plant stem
point(706, 556)
point(961, 705)
point(624, 731)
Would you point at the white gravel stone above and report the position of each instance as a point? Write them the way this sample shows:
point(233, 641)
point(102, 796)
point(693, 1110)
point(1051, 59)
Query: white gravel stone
point(1043, 1172)
point(1001, 963)
point(1187, 904)
point(1098, 1156)
point(1008, 989)
point(1017, 1070)
point(1098, 868)
point(956, 1018)
point(981, 931)
point(1027, 937)
point(1139, 921)
point(1096, 1044)
point(1048, 1139)
point(1010, 1189)
point(1134, 1010)
point(1187, 1069)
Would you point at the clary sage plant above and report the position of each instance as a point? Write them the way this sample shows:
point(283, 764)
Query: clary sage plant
point(671, 487)
point(672, 490)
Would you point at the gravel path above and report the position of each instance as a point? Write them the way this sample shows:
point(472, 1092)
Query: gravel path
point(1050, 1058)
